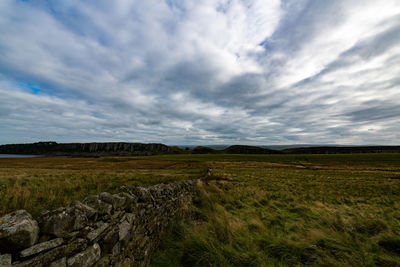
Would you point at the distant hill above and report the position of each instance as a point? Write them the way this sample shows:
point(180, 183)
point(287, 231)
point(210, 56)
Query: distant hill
point(204, 150)
point(342, 150)
point(139, 149)
point(239, 149)
point(83, 149)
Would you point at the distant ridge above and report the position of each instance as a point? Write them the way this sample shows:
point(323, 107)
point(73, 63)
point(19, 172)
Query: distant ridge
point(140, 149)
point(236, 149)
point(240, 149)
point(204, 150)
point(342, 150)
point(83, 149)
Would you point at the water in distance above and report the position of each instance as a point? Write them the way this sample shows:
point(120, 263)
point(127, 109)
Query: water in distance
point(18, 156)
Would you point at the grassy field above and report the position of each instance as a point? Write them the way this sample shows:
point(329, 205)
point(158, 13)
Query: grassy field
point(36, 184)
point(292, 210)
point(257, 210)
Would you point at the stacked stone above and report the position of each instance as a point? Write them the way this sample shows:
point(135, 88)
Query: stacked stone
point(121, 229)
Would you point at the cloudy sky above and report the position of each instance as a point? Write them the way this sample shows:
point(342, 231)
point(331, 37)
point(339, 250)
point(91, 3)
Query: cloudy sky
point(200, 72)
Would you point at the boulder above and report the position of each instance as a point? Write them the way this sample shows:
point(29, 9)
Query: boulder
point(115, 200)
point(96, 232)
point(44, 246)
point(18, 230)
point(104, 261)
point(94, 202)
point(87, 210)
point(5, 260)
point(130, 201)
point(124, 230)
point(62, 221)
point(59, 263)
point(86, 258)
point(53, 255)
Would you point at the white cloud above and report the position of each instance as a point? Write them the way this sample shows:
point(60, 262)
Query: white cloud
point(213, 71)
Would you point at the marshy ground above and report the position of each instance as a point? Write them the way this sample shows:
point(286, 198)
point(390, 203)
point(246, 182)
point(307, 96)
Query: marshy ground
point(257, 210)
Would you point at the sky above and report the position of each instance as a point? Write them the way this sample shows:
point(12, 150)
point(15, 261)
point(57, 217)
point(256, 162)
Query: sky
point(188, 72)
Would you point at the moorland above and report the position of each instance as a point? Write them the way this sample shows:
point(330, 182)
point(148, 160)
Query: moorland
point(255, 210)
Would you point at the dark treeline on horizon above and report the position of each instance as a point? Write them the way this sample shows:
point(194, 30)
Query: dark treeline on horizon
point(139, 149)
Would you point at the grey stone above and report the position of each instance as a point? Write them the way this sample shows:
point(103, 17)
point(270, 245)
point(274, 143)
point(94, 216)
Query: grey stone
point(117, 215)
point(94, 202)
point(129, 199)
point(44, 246)
point(115, 200)
point(109, 240)
point(71, 236)
point(130, 217)
point(5, 260)
point(127, 262)
point(103, 262)
point(57, 253)
point(116, 250)
point(86, 258)
point(124, 230)
point(75, 246)
point(144, 194)
point(106, 197)
point(18, 230)
point(119, 201)
point(88, 211)
point(59, 263)
point(62, 221)
point(96, 232)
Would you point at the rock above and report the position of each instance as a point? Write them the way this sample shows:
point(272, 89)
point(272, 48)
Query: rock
point(88, 211)
point(18, 230)
point(127, 262)
point(116, 250)
point(5, 260)
point(129, 200)
point(109, 240)
point(96, 232)
point(143, 194)
point(41, 247)
point(124, 230)
point(86, 258)
point(94, 202)
point(103, 262)
point(115, 200)
point(50, 256)
point(78, 245)
point(62, 221)
point(119, 201)
point(59, 263)
point(130, 217)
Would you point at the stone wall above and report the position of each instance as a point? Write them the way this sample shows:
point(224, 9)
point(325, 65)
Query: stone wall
point(122, 229)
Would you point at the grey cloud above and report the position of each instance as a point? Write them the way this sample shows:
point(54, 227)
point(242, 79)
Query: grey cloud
point(377, 112)
point(156, 71)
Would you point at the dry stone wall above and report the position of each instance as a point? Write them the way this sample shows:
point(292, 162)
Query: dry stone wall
point(121, 229)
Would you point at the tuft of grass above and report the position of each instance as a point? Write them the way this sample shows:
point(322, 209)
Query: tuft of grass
point(36, 184)
point(334, 212)
point(256, 210)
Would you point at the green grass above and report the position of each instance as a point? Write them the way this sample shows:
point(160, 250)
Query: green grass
point(292, 210)
point(36, 184)
point(258, 210)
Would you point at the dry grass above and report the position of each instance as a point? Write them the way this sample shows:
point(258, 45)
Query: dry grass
point(260, 210)
point(331, 211)
point(36, 184)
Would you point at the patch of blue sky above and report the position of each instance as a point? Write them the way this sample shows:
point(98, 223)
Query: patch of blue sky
point(30, 88)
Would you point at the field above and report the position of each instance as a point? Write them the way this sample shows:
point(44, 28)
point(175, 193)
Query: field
point(256, 210)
